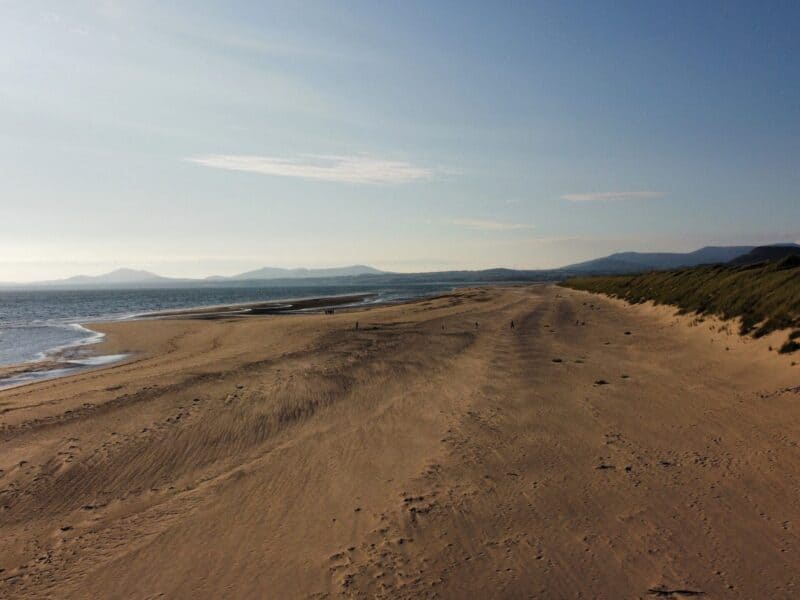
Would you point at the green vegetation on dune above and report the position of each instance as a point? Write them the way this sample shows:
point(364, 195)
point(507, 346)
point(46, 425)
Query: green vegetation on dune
point(766, 296)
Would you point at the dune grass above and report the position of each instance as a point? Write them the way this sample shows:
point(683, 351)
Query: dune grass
point(766, 296)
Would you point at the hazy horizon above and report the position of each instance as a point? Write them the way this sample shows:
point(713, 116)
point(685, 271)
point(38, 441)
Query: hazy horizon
point(202, 139)
point(291, 271)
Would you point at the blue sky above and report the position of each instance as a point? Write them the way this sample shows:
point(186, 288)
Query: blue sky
point(193, 138)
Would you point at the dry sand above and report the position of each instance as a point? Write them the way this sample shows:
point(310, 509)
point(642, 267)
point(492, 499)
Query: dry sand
point(420, 456)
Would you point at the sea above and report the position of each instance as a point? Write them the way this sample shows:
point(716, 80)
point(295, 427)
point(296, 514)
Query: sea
point(46, 324)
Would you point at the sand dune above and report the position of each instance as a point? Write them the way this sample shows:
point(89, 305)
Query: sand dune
point(594, 451)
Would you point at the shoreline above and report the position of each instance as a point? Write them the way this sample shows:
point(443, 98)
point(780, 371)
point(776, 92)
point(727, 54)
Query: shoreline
point(82, 355)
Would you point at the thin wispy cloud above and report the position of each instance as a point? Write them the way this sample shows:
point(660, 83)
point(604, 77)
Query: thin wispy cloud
point(338, 169)
point(612, 196)
point(489, 225)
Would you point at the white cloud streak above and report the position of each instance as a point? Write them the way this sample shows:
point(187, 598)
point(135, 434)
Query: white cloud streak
point(612, 196)
point(489, 225)
point(338, 169)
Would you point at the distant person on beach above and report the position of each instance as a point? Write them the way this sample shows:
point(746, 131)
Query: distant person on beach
point(356, 325)
point(512, 324)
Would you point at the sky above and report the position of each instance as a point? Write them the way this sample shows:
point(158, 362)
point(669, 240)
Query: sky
point(198, 138)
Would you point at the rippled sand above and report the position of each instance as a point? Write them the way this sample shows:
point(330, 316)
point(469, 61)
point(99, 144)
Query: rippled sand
point(595, 450)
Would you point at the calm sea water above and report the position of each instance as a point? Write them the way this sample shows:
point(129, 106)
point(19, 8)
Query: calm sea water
point(35, 324)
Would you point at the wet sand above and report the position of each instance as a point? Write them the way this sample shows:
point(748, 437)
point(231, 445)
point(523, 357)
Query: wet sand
point(597, 450)
point(82, 357)
point(267, 308)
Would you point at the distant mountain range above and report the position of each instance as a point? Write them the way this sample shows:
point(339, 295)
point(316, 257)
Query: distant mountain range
point(274, 277)
point(276, 273)
point(116, 277)
point(138, 278)
point(637, 262)
point(618, 263)
point(763, 253)
point(633, 262)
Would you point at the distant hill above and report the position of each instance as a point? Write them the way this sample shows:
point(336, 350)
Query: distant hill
point(637, 262)
point(764, 253)
point(116, 277)
point(278, 273)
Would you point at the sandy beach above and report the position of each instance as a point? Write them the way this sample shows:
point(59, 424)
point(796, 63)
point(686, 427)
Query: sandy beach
point(595, 450)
